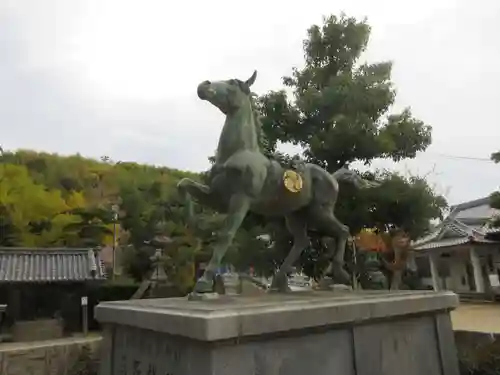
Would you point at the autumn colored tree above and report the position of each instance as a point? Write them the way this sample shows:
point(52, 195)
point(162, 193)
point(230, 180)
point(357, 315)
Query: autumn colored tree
point(63, 198)
point(31, 214)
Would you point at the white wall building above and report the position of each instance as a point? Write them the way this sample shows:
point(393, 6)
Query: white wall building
point(463, 253)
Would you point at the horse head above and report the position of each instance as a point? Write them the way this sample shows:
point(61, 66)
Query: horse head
point(229, 95)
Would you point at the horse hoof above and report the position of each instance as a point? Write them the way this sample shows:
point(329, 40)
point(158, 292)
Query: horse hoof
point(219, 286)
point(203, 286)
point(280, 284)
point(325, 284)
point(340, 275)
point(275, 289)
point(194, 296)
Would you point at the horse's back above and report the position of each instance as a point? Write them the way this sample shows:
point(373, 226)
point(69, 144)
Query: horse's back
point(325, 186)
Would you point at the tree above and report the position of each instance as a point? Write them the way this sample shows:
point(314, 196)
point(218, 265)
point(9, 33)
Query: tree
point(495, 197)
point(496, 157)
point(408, 203)
point(28, 209)
point(92, 226)
point(339, 113)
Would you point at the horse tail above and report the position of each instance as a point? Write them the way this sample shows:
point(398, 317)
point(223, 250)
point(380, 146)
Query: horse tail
point(344, 174)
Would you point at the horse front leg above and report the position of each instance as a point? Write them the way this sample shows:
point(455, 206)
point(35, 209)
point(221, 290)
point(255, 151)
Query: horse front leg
point(201, 193)
point(239, 205)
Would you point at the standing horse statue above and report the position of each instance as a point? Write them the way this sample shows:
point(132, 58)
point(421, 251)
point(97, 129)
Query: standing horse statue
point(243, 179)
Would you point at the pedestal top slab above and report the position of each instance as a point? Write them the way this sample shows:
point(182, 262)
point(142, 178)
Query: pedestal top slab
point(237, 316)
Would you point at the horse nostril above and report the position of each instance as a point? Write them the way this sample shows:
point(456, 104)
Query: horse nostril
point(203, 89)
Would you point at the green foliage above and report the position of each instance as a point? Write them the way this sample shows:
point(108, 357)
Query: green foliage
point(339, 111)
point(405, 202)
point(86, 363)
point(91, 228)
point(496, 157)
point(50, 200)
point(478, 353)
point(253, 249)
point(114, 291)
point(495, 200)
point(32, 215)
point(495, 197)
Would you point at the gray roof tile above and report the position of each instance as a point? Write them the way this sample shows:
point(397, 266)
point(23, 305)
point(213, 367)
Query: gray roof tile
point(49, 265)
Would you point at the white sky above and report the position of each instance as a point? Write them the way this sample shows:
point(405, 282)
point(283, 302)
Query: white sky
point(119, 78)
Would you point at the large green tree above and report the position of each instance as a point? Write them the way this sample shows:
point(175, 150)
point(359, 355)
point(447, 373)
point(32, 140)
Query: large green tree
point(339, 110)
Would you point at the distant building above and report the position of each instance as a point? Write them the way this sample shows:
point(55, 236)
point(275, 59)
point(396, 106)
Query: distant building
point(462, 254)
point(43, 289)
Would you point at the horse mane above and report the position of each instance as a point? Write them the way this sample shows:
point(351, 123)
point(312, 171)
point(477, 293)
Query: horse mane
point(261, 139)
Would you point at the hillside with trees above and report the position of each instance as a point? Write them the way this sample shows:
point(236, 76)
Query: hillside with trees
point(339, 113)
point(47, 200)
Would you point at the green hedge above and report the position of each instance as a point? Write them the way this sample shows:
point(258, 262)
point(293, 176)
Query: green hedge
point(478, 353)
point(113, 292)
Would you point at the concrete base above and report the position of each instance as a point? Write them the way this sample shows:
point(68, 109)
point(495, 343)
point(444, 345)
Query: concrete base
point(362, 333)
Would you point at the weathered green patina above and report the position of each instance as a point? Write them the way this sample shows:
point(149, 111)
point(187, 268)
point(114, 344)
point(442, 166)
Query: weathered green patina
point(243, 179)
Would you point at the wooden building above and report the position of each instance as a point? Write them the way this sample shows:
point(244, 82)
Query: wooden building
point(43, 289)
point(463, 253)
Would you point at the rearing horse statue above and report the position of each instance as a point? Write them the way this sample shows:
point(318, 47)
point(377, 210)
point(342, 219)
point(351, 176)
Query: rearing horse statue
point(243, 179)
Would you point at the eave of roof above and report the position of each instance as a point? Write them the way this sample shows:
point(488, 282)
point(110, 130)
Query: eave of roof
point(451, 242)
point(470, 204)
point(464, 234)
point(48, 265)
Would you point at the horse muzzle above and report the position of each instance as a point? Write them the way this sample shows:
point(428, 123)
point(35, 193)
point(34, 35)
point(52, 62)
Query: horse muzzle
point(205, 90)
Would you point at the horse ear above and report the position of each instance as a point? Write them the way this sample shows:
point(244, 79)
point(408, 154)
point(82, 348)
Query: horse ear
point(250, 81)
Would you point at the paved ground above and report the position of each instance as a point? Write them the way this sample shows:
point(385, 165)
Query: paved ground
point(484, 317)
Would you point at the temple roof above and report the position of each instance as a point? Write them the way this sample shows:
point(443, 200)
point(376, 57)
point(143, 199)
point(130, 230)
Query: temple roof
point(467, 222)
point(32, 265)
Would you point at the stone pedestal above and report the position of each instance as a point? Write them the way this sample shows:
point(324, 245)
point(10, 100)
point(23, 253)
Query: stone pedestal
point(320, 333)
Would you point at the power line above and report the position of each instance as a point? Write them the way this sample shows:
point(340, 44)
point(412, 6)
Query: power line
point(459, 157)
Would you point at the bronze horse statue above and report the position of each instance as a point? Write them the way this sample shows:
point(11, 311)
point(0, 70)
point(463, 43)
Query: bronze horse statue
point(243, 179)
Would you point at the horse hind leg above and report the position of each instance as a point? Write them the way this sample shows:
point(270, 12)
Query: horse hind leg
point(297, 227)
point(330, 226)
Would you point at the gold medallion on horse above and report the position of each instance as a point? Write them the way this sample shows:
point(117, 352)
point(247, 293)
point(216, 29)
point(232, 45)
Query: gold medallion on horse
point(293, 181)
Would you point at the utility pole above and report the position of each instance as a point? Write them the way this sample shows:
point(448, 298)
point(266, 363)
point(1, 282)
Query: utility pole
point(115, 209)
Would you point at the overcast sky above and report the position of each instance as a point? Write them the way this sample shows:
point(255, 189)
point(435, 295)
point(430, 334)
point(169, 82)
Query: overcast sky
point(119, 78)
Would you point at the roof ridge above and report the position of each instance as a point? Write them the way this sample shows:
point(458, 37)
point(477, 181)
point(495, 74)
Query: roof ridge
point(469, 204)
point(450, 222)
